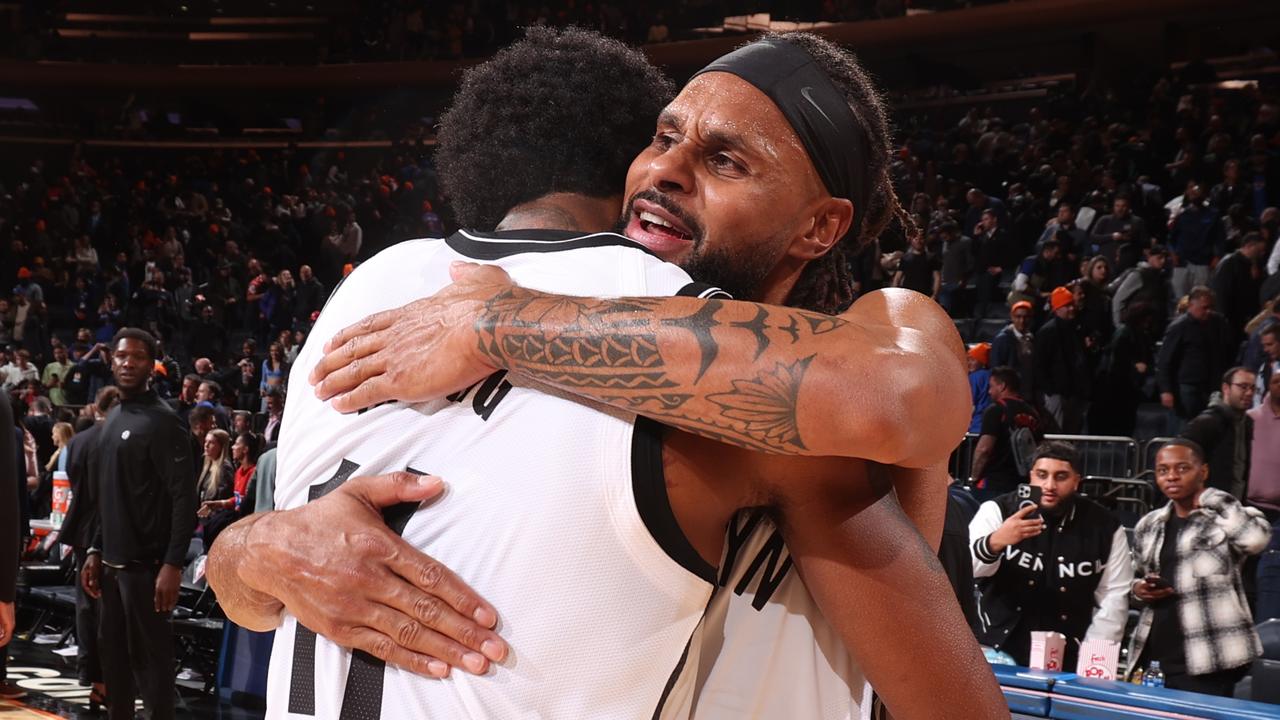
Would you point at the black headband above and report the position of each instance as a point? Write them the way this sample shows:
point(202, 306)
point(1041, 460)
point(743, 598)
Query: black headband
point(816, 110)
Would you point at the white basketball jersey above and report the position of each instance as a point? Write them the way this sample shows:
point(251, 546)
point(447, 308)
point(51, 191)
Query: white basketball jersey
point(764, 650)
point(555, 510)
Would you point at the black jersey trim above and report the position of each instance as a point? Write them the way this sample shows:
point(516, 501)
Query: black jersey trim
point(649, 484)
point(704, 291)
point(498, 245)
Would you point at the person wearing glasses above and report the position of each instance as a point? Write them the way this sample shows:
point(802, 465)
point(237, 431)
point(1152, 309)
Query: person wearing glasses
point(1187, 560)
point(1223, 430)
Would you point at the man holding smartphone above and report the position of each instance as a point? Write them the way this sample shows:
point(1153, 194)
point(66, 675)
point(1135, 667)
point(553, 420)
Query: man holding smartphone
point(1047, 559)
point(1196, 622)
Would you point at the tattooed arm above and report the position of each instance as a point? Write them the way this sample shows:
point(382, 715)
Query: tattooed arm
point(883, 381)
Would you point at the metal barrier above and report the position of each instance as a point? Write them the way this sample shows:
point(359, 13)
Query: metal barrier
point(1104, 456)
point(1129, 498)
point(1149, 452)
point(962, 457)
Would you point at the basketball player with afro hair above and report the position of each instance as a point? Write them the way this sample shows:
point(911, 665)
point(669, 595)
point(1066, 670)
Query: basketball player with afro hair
point(774, 403)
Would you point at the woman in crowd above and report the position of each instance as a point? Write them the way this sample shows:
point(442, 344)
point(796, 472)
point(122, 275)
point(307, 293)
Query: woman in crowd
point(275, 372)
point(230, 507)
point(1094, 302)
point(62, 433)
point(215, 476)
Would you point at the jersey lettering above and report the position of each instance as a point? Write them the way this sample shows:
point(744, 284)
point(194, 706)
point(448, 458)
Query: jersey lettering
point(492, 391)
point(766, 559)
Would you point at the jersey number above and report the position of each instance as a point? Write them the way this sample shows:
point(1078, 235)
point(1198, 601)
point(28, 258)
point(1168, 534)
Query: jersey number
point(362, 699)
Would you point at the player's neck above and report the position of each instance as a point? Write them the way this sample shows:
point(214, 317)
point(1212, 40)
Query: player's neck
point(564, 211)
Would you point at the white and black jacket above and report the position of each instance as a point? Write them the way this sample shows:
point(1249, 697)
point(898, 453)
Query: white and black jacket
point(1073, 578)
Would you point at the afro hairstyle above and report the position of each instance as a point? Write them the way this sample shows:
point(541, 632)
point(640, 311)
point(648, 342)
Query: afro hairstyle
point(560, 111)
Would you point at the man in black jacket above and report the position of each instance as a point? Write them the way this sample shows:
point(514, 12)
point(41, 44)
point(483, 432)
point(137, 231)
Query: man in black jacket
point(1014, 347)
point(996, 255)
point(1063, 566)
point(1196, 351)
point(1061, 372)
point(78, 531)
point(1237, 283)
point(1224, 431)
point(310, 297)
point(145, 505)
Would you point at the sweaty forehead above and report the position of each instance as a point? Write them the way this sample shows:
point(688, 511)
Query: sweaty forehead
point(718, 104)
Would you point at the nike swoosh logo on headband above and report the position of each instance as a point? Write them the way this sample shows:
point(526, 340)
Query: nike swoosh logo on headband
point(805, 91)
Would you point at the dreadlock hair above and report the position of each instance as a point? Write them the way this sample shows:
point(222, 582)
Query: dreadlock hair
point(561, 111)
point(826, 284)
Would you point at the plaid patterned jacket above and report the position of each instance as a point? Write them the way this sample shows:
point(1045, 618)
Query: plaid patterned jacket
point(1215, 616)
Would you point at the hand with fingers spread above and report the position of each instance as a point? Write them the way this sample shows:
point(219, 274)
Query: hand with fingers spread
point(344, 574)
point(1015, 529)
point(421, 351)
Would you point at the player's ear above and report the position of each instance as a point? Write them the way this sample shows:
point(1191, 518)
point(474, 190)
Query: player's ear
point(828, 223)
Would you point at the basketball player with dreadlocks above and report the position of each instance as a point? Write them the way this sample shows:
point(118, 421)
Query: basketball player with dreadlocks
point(722, 178)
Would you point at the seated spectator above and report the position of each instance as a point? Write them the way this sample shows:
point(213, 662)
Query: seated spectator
point(1222, 432)
point(979, 376)
point(186, 399)
point(1188, 556)
point(233, 500)
point(200, 420)
point(275, 414)
point(1062, 566)
point(209, 394)
point(216, 472)
point(241, 423)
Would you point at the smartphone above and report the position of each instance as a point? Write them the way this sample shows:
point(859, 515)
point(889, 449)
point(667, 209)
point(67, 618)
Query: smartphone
point(1156, 582)
point(1029, 494)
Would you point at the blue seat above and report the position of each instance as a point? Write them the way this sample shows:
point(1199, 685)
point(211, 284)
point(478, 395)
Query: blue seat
point(1075, 698)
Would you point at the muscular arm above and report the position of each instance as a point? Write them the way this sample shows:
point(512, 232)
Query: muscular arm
point(883, 381)
point(880, 585)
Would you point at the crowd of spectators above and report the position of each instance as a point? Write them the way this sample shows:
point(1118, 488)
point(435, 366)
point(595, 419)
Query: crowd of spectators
point(1131, 248)
point(398, 30)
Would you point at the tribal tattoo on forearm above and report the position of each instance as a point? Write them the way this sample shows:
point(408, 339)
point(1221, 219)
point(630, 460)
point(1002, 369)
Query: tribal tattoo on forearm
point(612, 351)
